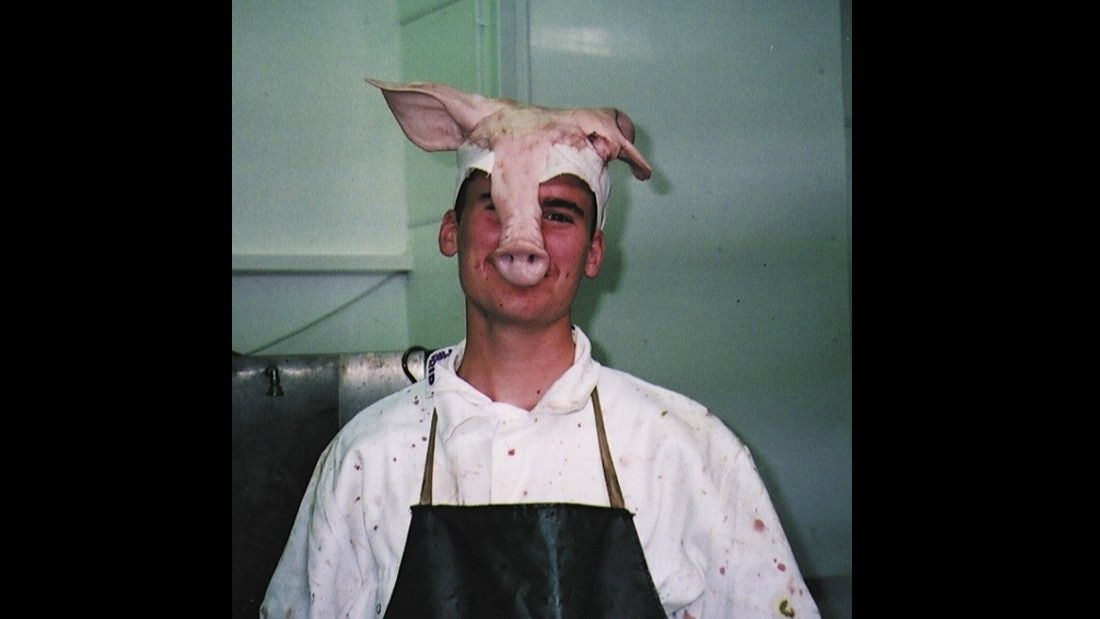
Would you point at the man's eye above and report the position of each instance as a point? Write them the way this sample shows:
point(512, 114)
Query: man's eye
point(559, 217)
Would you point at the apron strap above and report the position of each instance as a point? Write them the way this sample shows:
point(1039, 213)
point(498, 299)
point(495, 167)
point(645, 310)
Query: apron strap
point(426, 485)
point(614, 493)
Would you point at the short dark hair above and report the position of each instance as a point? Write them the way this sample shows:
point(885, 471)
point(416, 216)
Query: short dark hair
point(460, 200)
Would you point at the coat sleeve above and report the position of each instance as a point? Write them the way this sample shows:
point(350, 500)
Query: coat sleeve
point(749, 567)
point(316, 575)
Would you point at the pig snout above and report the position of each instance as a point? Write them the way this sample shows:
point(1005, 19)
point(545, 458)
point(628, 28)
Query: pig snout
point(520, 257)
point(521, 266)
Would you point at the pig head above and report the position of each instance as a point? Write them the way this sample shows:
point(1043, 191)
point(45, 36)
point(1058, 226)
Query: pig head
point(521, 139)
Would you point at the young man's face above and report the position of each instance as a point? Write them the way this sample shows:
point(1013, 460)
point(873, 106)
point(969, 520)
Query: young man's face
point(568, 213)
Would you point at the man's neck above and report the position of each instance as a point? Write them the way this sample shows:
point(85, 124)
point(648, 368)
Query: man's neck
point(516, 364)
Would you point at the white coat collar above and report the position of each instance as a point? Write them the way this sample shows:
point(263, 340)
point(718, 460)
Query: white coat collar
point(569, 394)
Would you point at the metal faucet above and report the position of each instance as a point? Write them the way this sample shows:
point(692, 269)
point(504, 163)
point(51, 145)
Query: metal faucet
point(274, 388)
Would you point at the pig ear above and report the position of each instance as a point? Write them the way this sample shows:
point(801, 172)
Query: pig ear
point(627, 152)
point(435, 116)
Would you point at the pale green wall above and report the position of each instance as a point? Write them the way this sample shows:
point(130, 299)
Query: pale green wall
point(311, 172)
point(308, 313)
point(319, 219)
point(453, 43)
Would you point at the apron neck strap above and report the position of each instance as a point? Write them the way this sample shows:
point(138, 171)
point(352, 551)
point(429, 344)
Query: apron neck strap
point(426, 485)
point(614, 493)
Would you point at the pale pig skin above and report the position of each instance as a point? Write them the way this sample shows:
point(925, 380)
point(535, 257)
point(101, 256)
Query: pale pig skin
point(438, 117)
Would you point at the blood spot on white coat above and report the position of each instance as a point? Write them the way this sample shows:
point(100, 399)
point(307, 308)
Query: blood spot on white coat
point(758, 525)
point(782, 568)
point(512, 451)
point(722, 570)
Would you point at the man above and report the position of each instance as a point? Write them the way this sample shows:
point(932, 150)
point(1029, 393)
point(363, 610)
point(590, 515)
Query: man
point(521, 477)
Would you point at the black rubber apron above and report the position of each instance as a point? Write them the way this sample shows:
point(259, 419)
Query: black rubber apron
point(525, 560)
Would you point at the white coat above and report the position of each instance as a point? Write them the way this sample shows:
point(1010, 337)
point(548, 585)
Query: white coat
point(710, 534)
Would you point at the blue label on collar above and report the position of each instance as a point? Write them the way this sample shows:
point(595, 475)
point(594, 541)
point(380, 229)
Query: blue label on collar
point(437, 356)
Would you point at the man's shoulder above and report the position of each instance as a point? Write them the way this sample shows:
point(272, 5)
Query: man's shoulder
point(388, 416)
point(647, 396)
point(687, 428)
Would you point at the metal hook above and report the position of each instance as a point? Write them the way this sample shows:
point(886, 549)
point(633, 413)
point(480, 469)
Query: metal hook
point(405, 361)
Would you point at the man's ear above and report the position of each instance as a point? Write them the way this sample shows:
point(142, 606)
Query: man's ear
point(595, 255)
point(448, 234)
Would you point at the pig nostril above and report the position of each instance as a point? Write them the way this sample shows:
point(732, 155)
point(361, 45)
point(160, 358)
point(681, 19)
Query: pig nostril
point(517, 258)
point(523, 268)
